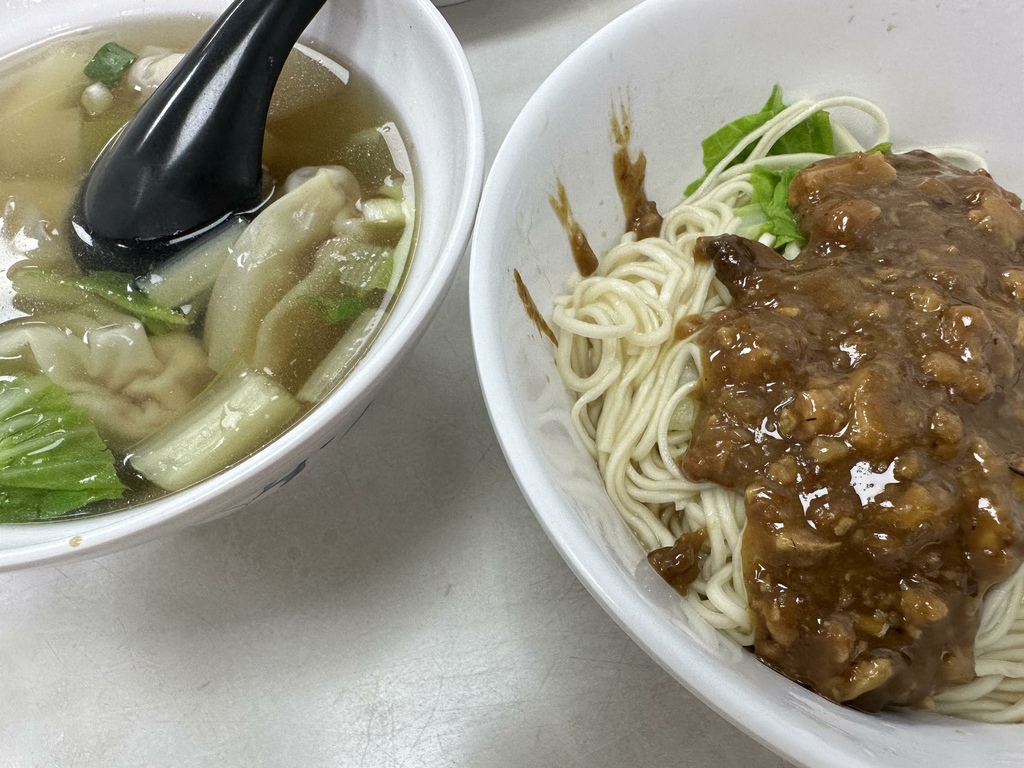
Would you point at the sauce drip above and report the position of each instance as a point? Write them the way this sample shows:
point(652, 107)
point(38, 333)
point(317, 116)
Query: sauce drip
point(531, 308)
point(864, 399)
point(582, 253)
point(642, 215)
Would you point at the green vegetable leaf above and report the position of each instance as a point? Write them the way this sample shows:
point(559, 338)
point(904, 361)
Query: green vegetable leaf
point(343, 310)
point(110, 64)
point(119, 289)
point(724, 140)
point(771, 190)
point(812, 135)
point(358, 278)
point(52, 460)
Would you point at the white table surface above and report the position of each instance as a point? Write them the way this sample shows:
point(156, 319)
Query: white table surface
point(396, 605)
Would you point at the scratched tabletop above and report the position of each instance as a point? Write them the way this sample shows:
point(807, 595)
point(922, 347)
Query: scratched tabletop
point(396, 605)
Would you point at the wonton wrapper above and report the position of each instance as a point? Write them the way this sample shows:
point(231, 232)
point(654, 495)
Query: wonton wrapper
point(271, 256)
point(296, 335)
point(128, 383)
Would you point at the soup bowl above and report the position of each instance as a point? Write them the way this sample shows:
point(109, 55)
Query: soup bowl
point(683, 68)
point(407, 50)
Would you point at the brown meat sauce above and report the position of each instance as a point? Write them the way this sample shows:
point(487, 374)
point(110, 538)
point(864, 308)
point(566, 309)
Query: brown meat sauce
point(642, 215)
point(864, 399)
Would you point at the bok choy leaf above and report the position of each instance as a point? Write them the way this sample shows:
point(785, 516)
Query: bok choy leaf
point(52, 460)
point(120, 290)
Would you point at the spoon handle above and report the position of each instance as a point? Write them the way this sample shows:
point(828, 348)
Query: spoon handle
point(201, 132)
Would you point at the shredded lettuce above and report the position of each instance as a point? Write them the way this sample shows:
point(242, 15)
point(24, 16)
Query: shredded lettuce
point(812, 135)
point(52, 460)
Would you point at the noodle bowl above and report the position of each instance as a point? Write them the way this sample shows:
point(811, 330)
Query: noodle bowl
point(634, 383)
point(681, 76)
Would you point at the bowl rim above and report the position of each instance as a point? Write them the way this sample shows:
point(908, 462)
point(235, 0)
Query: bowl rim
point(135, 525)
point(659, 637)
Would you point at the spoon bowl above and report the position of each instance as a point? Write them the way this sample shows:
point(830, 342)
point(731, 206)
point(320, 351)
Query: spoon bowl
point(190, 158)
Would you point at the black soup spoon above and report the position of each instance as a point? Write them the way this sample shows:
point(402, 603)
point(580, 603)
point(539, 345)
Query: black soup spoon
point(191, 157)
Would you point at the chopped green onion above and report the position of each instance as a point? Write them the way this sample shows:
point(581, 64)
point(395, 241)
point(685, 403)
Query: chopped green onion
point(110, 64)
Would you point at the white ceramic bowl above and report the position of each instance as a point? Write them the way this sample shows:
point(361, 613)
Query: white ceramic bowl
point(945, 72)
point(408, 50)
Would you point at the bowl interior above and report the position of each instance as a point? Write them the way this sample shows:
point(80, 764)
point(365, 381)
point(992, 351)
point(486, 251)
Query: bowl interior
point(407, 50)
point(683, 68)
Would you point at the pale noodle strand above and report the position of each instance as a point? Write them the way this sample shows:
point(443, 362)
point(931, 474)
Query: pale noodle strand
point(997, 696)
point(631, 361)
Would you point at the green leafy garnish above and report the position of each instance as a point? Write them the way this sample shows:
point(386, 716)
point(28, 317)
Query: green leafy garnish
point(350, 279)
point(110, 64)
point(351, 304)
point(342, 310)
point(52, 460)
point(724, 140)
point(116, 288)
point(812, 135)
point(119, 289)
point(771, 190)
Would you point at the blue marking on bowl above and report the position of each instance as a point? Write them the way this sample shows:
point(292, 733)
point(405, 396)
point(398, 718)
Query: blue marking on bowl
point(286, 479)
